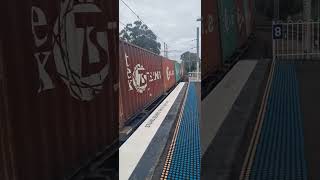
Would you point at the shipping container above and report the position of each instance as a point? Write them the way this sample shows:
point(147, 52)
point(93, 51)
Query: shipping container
point(228, 28)
point(182, 70)
point(210, 43)
point(141, 79)
point(58, 92)
point(241, 22)
point(178, 72)
point(249, 9)
point(168, 72)
point(253, 14)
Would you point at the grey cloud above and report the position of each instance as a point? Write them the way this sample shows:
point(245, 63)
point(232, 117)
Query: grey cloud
point(174, 21)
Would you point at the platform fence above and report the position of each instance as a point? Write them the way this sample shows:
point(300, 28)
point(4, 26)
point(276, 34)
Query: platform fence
point(194, 76)
point(296, 40)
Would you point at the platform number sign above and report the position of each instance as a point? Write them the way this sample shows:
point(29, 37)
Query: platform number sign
point(277, 31)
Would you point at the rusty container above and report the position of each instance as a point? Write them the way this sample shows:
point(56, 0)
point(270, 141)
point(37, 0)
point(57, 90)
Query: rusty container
point(141, 80)
point(168, 72)
point(241, 22)
point(59, 86)
point(210, 40)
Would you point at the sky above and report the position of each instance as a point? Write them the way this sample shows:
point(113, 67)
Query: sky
point(173, 21)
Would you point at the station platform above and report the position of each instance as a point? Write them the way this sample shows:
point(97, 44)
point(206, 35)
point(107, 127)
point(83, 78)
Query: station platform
point(146, 153)
point(228, 117)
point(285, 145)
point(271, 129)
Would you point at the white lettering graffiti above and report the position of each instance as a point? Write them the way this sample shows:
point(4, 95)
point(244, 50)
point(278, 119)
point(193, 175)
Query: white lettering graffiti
point(76, 43)
point(139, 77)
point(46, 82)
point(240, 20)
point(228, 20)
point(169, 73)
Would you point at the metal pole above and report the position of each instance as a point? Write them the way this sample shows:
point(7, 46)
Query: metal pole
point(307, 18)
point(198, 68)
point(189, 63)
point(164, 48)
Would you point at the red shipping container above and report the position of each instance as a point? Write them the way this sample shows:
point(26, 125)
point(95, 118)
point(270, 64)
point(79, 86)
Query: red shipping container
point(58, 92)
point(210, 41)
point(168, 72)
point(241, 22)
point(141, 80)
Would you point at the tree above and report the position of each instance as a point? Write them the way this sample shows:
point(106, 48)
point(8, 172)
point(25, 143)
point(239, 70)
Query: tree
point(190, 60)
point(141, 35)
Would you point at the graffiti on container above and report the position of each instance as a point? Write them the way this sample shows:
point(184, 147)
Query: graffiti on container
point(209, 24)
point(169, 73)
point(138, 77)
point(240, 20)
point(247, 16)
point(228, 19)
point(78, 46)
point(156, 114)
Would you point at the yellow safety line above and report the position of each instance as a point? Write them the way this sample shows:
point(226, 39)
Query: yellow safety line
point(166, 167)
point(246, 168)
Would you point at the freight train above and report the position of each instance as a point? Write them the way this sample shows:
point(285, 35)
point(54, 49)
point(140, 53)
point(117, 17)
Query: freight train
point(58, 86)
point(227, 25)
point(144, 77)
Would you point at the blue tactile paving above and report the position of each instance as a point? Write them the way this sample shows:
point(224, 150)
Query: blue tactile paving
point(185, 162)
point(280, 150)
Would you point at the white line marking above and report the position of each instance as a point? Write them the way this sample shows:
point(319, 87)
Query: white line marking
point(133, 149)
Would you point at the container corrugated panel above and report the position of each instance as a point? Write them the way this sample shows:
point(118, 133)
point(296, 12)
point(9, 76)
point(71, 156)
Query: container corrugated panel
point(168, 72)
point(228, 28)
point(253, 13)
point(241, 22)
point(249, 9)
point(141, 80)
point(177, 70)
point(60, 86)
point(211, 50)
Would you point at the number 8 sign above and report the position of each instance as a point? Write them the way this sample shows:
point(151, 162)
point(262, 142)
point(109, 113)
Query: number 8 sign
point(277, 31)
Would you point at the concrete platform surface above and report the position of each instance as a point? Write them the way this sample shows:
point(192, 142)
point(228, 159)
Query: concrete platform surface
point(133, 150)
point(216, 106)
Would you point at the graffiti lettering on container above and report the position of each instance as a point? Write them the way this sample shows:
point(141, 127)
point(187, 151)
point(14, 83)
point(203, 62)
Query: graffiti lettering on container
point(240, 20)
point(228, 19)
point(156, 115)
point(169, 73)
point(138, 77)
point(77, 43)
point(209, 24)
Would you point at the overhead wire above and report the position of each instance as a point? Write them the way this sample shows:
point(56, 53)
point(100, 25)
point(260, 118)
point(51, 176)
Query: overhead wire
point(141, 19)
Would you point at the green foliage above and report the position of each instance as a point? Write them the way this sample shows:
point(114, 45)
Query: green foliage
point(189, 59)
point(140, 35)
